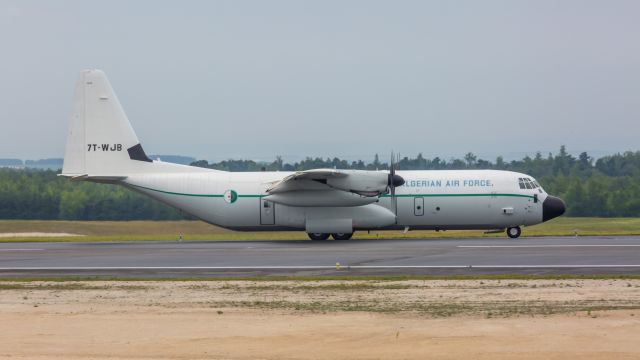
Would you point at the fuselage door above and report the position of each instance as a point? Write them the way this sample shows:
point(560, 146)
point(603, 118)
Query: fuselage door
point(267, 212)
point(418, 206)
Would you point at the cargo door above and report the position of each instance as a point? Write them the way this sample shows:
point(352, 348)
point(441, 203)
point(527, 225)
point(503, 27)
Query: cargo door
point(267, 212)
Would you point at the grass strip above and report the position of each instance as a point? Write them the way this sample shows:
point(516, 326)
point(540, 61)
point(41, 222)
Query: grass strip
point(500, 309)
point(120, 231)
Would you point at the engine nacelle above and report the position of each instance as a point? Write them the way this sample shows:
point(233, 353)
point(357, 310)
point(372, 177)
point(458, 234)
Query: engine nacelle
point(323, 198)
point(367, 183)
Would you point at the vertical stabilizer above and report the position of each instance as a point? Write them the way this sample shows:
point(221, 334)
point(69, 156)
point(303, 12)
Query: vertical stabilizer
point(101, 141)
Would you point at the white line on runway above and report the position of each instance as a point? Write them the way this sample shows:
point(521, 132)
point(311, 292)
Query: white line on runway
point(545, 246)
point(321, 267)
point(21, 250)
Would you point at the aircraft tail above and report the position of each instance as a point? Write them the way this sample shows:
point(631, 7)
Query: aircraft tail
point(101, 141)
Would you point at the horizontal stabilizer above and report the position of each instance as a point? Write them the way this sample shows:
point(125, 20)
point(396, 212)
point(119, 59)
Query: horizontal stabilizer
point(99, 178)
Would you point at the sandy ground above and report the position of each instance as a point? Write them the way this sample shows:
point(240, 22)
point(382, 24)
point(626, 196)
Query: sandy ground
point(541, 319)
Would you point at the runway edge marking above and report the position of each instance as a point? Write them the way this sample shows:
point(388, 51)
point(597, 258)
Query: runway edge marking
point(541, 246)
point(322, 267)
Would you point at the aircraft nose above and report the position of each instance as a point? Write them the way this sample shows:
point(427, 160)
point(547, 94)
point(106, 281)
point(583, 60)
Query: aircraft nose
point(552, 207)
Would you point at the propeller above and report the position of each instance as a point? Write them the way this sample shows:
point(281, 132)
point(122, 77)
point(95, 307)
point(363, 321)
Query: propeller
point(394, 181)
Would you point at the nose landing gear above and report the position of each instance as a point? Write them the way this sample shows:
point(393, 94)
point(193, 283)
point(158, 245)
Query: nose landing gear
point(514, 232)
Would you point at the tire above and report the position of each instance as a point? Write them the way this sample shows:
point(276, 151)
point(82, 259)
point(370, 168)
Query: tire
point(342, 236)
point(514, 232)
point(318, 236)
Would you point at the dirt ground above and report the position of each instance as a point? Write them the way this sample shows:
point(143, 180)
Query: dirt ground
point(418, 319)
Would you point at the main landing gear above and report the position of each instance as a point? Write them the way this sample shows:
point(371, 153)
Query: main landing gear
point(514, 232)
point(325, 236)
point(318, 236)
point(342, 236)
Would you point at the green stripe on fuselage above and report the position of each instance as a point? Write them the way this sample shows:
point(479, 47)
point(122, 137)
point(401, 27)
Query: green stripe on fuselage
point(385, 195)
point(177, 193)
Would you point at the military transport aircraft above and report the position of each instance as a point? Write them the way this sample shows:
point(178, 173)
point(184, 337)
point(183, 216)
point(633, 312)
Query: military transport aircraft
point(102, 147)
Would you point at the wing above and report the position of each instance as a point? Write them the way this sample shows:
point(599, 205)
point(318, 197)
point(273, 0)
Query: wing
point(306, 180)
point(329, 187)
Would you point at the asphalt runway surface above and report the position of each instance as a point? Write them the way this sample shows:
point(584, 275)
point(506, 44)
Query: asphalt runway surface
point(539, 256)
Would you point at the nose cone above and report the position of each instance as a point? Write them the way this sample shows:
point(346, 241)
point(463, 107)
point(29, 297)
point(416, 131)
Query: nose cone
point(552, 207)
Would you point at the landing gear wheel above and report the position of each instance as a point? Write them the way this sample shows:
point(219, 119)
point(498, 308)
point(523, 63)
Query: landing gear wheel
point(514, 232)
point(318, 236)
point(342, 236)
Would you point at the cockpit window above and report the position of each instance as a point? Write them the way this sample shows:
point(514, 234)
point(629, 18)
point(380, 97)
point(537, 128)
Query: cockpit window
point(527, 183)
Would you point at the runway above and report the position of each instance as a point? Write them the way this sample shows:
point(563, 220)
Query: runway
point(548, 255)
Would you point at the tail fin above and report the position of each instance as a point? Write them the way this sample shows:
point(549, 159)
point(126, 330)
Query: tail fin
point(101, 141)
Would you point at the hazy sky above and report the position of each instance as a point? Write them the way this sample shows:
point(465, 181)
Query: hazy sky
point(254, 79)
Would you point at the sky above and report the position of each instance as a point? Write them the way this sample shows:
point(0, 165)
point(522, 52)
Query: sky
point(257, 79)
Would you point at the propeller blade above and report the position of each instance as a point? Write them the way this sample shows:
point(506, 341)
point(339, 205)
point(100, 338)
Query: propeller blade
point(392, 165)
point(394, 200)
point(391, 183)
point(394, 180)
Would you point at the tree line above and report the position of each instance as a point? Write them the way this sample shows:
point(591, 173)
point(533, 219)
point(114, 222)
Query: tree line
point(41, 194)
point(608, 186)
